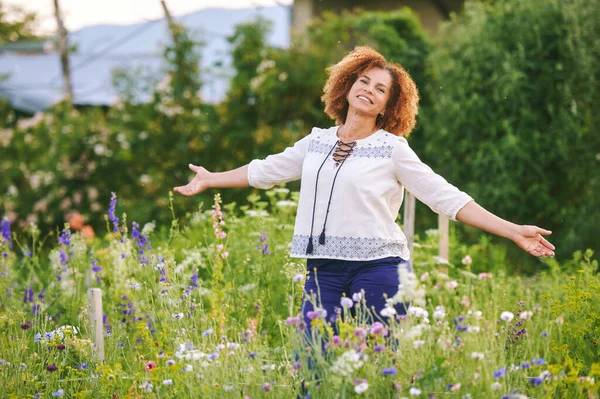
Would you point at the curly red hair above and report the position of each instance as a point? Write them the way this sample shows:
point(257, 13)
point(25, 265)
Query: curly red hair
point(401, 110)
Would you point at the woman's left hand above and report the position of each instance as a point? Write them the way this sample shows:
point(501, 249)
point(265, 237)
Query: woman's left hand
point(530, 239)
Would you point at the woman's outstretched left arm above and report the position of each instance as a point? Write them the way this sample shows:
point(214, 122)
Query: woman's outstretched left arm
point(528, 238)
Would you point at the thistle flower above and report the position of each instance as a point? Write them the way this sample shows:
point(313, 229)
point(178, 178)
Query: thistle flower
point(51, 367)
point(267, 387)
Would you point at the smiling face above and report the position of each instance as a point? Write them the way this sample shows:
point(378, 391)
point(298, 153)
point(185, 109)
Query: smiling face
point(370, 93)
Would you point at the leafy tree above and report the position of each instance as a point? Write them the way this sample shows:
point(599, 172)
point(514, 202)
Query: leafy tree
point(16, 24)
point(512, 120)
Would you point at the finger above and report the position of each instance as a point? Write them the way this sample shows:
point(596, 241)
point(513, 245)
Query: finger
point(194, 168)
point(546, 243)
point(541, 231)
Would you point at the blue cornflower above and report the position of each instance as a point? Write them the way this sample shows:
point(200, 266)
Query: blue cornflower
point(460, 327)
point(500, 372)
point(536, 380)
point(544, 334)
point(6, 232)
point(539, 361)
point(111, 212)
point(389, 371)
point(60, 392)
point(207, 332)
point(525, 365)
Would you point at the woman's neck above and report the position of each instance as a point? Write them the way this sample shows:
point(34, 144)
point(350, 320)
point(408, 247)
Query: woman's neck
point(357, 127)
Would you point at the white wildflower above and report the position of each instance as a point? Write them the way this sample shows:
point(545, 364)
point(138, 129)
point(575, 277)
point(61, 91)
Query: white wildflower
point(409, 289)
point(507, 316)
point(360, 388)
point(349, 362)
point(439, 312)
point(526, 315)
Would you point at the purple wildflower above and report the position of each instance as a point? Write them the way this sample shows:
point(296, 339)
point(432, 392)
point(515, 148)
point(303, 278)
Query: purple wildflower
point(111, 212)
point(389, 371)
point(263, 244)
point(63, 257)
point(539, 361)
point(65, 237)
point(142, 242)
point(28, 295)
point(6, 232)
point(536, 380)
point(500, 372)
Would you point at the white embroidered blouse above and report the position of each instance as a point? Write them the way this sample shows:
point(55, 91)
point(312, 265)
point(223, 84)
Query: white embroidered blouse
point(366, 197)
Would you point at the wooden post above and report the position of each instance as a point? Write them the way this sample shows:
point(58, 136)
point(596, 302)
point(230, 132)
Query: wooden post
point(95, 313)
point(409, 221)
point(443, 227)
point(63, 47)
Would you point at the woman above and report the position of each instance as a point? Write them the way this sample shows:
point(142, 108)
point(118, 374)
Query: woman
point(353, 179)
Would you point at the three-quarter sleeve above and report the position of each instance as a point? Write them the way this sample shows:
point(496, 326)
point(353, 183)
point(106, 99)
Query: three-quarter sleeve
point(279, 168)
point(429, 187)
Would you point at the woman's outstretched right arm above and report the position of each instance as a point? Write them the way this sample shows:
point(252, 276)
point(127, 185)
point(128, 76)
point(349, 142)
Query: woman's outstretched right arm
point(205, 180)
point(260, 173)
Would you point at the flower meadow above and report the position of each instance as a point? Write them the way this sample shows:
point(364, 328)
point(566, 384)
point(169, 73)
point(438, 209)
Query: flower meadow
point(210, 308)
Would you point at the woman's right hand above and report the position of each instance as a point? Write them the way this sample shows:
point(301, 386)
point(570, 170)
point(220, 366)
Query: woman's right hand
point(198, 184)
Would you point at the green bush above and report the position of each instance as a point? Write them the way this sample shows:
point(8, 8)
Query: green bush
point(512, 120)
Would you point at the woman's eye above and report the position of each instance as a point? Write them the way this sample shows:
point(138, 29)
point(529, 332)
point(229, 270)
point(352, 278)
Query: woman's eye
point(381, 90)
point(363, 81)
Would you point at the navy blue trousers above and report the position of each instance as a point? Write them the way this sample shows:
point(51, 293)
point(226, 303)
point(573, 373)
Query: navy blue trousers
point(331, 279)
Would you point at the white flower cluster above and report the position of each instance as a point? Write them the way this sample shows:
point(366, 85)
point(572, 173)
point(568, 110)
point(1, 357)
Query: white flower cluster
point(409, 289)
point(349, 362)
point(60, 333)
point(193, 258)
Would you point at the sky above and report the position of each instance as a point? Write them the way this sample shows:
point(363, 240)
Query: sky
point(80, 13)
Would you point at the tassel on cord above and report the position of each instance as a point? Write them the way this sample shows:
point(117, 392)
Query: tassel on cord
point(322, 238)
point(309, 248)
